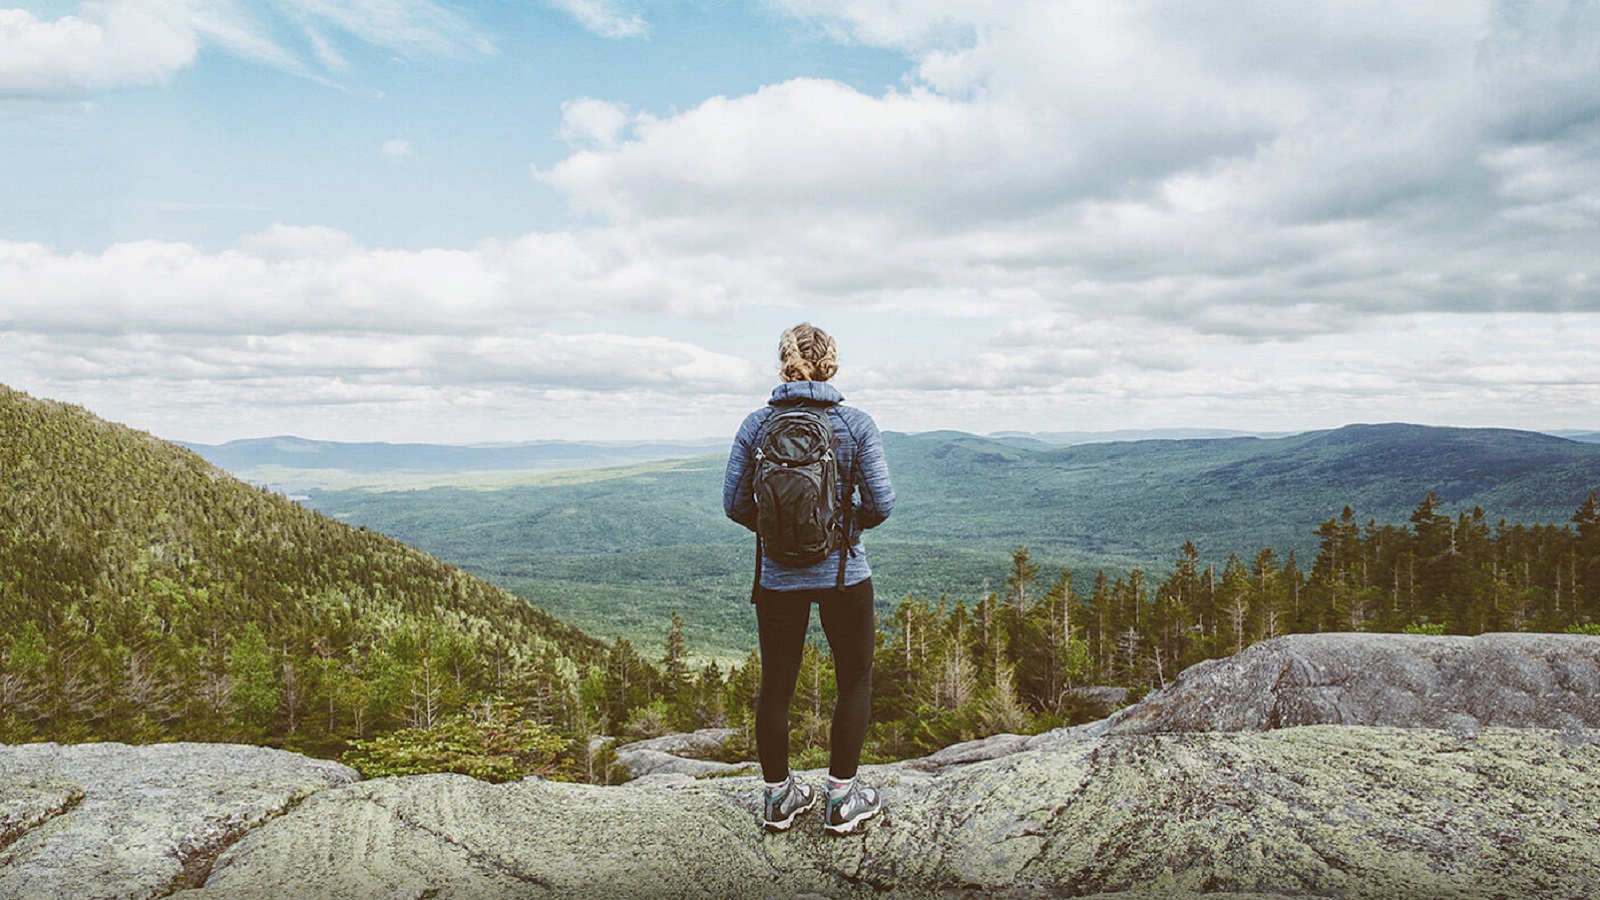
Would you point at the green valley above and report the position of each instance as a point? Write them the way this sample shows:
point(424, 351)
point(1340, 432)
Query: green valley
point(616, 550)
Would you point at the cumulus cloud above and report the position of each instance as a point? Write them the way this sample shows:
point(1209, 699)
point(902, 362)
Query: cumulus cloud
point(118, 42)
point(1133, 213)
point(1264, 173)
point(517, 383)
point(325, 279)
point(528, 357)
point(396, 150)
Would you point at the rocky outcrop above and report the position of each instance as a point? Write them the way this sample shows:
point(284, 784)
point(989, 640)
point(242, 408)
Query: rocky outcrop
point(1201, 790)
point(1325, 810)
point(1408, 681)
point(110, 820)
point(680, 754)
point(1104, 699)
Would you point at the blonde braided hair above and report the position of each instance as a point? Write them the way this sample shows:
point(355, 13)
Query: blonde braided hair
point(807, 353)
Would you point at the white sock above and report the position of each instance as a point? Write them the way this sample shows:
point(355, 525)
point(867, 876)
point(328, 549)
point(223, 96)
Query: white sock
point(775, 786)
point(837, 788)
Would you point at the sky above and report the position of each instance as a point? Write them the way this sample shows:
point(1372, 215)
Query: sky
point(424, 220)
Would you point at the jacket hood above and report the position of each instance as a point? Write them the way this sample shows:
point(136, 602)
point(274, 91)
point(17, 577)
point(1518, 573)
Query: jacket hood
point(792, 392)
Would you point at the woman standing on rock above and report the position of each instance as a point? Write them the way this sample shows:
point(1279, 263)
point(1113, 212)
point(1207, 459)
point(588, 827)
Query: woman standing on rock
point(807, 475)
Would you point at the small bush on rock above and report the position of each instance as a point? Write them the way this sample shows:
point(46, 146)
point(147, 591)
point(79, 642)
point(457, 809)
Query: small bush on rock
point(493, 742)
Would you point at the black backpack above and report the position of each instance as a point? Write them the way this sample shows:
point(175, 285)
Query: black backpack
point(800, 518)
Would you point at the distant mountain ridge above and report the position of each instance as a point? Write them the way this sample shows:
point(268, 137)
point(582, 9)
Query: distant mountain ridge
point(254, 456)
point(1132, 434)
point(296, 453)
point(1138, 501)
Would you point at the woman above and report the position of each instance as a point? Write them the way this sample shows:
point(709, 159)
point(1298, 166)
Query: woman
point(840, 585)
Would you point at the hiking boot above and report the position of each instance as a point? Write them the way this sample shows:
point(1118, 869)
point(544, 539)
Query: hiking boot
point(856, 806)
point(779, 808)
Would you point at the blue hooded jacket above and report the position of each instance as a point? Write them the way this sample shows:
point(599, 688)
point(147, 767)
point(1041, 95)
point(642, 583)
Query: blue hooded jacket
point(863, 478)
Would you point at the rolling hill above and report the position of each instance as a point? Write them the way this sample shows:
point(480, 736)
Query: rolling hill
point(617, 550)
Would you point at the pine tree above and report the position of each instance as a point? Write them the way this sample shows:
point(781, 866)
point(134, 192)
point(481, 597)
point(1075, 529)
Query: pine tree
point(1336, 601)
point(675, 674)
point(626, 683)
point(1020, 581)
point(707, 709)
point(1438, 561)
point(740, 696)
point(1586, 549)
point(1233, 598)
point(1267, 600)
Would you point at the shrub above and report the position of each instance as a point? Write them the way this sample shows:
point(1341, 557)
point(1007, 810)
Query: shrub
point(493, 742)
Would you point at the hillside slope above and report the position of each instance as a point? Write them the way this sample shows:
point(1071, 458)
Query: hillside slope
point(145, 594)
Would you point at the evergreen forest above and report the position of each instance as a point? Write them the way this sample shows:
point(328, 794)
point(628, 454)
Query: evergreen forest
point(146, 595)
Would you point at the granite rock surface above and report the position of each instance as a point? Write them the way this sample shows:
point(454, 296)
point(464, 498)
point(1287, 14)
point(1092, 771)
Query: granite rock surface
point(1350, 766)
point(1402, 680)
point(1313, 810)
point(680, 754)
point(110, 820)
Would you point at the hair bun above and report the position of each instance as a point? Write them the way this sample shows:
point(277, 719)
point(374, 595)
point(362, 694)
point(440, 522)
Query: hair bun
point(807, 353)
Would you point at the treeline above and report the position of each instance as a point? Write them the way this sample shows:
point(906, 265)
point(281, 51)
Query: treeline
point(1017, 659)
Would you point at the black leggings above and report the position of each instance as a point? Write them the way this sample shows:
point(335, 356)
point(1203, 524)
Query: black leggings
point(849, 623)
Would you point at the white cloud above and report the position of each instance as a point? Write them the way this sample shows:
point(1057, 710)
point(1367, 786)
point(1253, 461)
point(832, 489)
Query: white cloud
point(396, 150)
point(1121, 213)
point(587, 123)
point(521, 356)
point(322, 279)
point(409, 26)
point(1507, 370)
point(1277, 171)
point(792, 147)
point(118, 42)
point(517, 384)
point(604, 17)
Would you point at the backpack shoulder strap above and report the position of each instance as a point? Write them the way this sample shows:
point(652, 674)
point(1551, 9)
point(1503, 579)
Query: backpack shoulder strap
point(846, 489)
point(855, 449)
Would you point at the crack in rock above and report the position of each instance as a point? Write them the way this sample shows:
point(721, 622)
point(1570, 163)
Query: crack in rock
point(475, 856)
point(198, 861)
point(18, 816)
